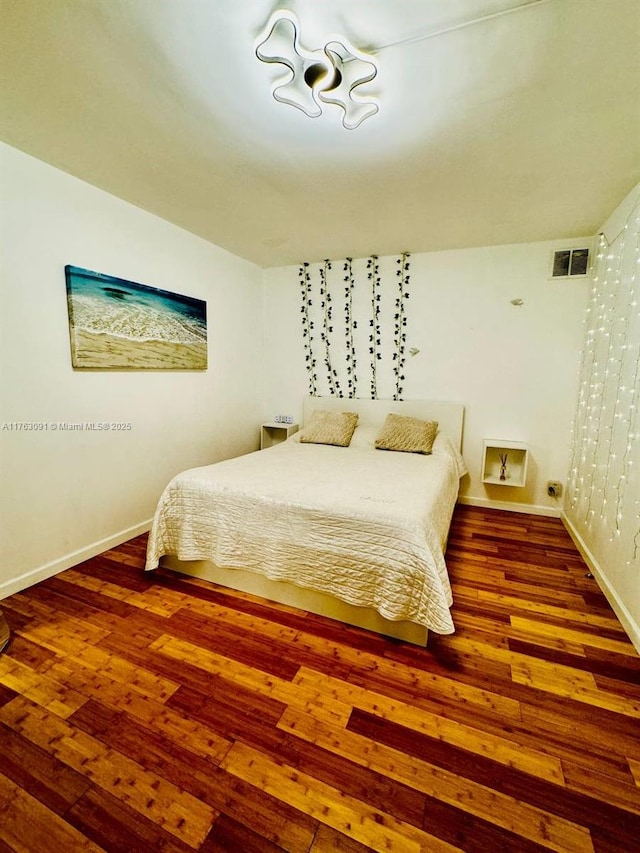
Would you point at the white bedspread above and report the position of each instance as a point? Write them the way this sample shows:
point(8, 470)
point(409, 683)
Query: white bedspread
point(366, 526)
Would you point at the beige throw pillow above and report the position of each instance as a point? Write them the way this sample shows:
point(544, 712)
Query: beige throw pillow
point(329, 428)
point(409, 435)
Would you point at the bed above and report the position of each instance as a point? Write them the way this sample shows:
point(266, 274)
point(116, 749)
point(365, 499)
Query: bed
point(354, 533)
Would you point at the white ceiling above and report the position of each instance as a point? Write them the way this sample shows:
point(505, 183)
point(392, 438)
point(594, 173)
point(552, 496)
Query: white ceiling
point(524, 126)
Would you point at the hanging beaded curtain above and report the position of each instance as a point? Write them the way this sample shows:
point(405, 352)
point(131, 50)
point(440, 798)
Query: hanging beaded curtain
point(603, 489)
point(331, 336)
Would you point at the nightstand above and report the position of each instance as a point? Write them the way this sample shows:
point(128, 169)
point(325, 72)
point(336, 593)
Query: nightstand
point(516, 456)
point(273, 433)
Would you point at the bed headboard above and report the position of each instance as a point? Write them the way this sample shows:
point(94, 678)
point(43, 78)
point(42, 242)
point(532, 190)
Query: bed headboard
point(450, 416)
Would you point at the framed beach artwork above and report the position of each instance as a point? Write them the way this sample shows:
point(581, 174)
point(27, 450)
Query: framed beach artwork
point(116, 324)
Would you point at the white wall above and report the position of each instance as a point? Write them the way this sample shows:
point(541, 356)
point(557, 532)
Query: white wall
point(514, 368)
point(603, 502)
point(66, 495)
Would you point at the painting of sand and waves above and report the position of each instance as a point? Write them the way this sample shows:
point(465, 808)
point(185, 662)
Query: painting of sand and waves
point(116, 324)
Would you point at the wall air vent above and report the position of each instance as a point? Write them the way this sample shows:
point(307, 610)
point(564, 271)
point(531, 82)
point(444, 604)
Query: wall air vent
point(570, 263)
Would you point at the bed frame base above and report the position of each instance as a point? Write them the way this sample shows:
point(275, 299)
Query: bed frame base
point(310, 600)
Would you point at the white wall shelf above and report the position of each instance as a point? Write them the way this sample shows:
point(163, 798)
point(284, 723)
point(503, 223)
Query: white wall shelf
point(273, 433)
point(517, 460)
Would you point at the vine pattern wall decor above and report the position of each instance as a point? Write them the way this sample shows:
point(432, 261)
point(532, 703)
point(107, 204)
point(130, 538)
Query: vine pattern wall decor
point(400, 318)
point(375, 339)
point(327, 329)
point(307, 328)
point(386, 323)
point(350, 326)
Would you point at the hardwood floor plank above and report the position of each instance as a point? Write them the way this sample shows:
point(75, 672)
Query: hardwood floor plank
point(422, 682)
point(473, 579)
point(475, 741)
point(571, 635)
point(362, 783)
point(625, 688)
point(6, 695)
point(557, 800)
point(547, 679)
point(246, 630)
point(77, 606)
point(237, 621)
point(497, 808)
point(330, 805)
point(571, 682)
point(614, 840)
point(607, 675)
point(256, 650)
point(266, 685)
point(472, 834)
point(114, 568)
point(227, 834)
point(625, 666)
point(155, 752)
point(49, 780)
point(199, 776)
point(594, 737)
point(147, 658)
point(94, 658)
point(141, 594)
point(327, 840)
point(68, 637)
point(26, 825)
point(564, 614)
point(156, 716)
point(546, 646)
point(178, 813)
point(118, 828)
point(267, 816)
point(41, 689)
point(25, 652)
point(589, 781)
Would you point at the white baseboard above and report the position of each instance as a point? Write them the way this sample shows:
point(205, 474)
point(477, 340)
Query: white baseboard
point(68, 560)
point(534, 509)
point(626, 619)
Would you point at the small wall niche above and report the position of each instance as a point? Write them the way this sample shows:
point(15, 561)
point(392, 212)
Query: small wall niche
point(504, 463)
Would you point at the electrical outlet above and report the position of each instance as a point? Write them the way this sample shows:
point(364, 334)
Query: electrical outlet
point(554, 489)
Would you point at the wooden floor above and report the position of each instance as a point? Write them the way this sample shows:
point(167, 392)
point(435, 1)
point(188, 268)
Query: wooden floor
point(151, 712)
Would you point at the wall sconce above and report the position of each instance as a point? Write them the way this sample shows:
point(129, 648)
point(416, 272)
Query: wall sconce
point(328, 75)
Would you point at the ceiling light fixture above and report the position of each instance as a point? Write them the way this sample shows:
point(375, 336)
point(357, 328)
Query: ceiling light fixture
point(333, 73)
point(330, 74)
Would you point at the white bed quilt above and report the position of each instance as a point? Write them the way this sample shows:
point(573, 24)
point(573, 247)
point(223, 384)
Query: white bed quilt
point(366, 526)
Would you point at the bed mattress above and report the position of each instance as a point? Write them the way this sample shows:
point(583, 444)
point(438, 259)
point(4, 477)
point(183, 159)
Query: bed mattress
point(366, 526)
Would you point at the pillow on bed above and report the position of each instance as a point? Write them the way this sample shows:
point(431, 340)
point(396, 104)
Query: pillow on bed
point(409, 435)
point(329, 428)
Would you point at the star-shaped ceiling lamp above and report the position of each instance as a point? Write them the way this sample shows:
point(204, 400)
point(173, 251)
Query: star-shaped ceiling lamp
point(331, 74)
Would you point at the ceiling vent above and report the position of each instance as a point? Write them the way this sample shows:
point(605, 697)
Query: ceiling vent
point(570, 263)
